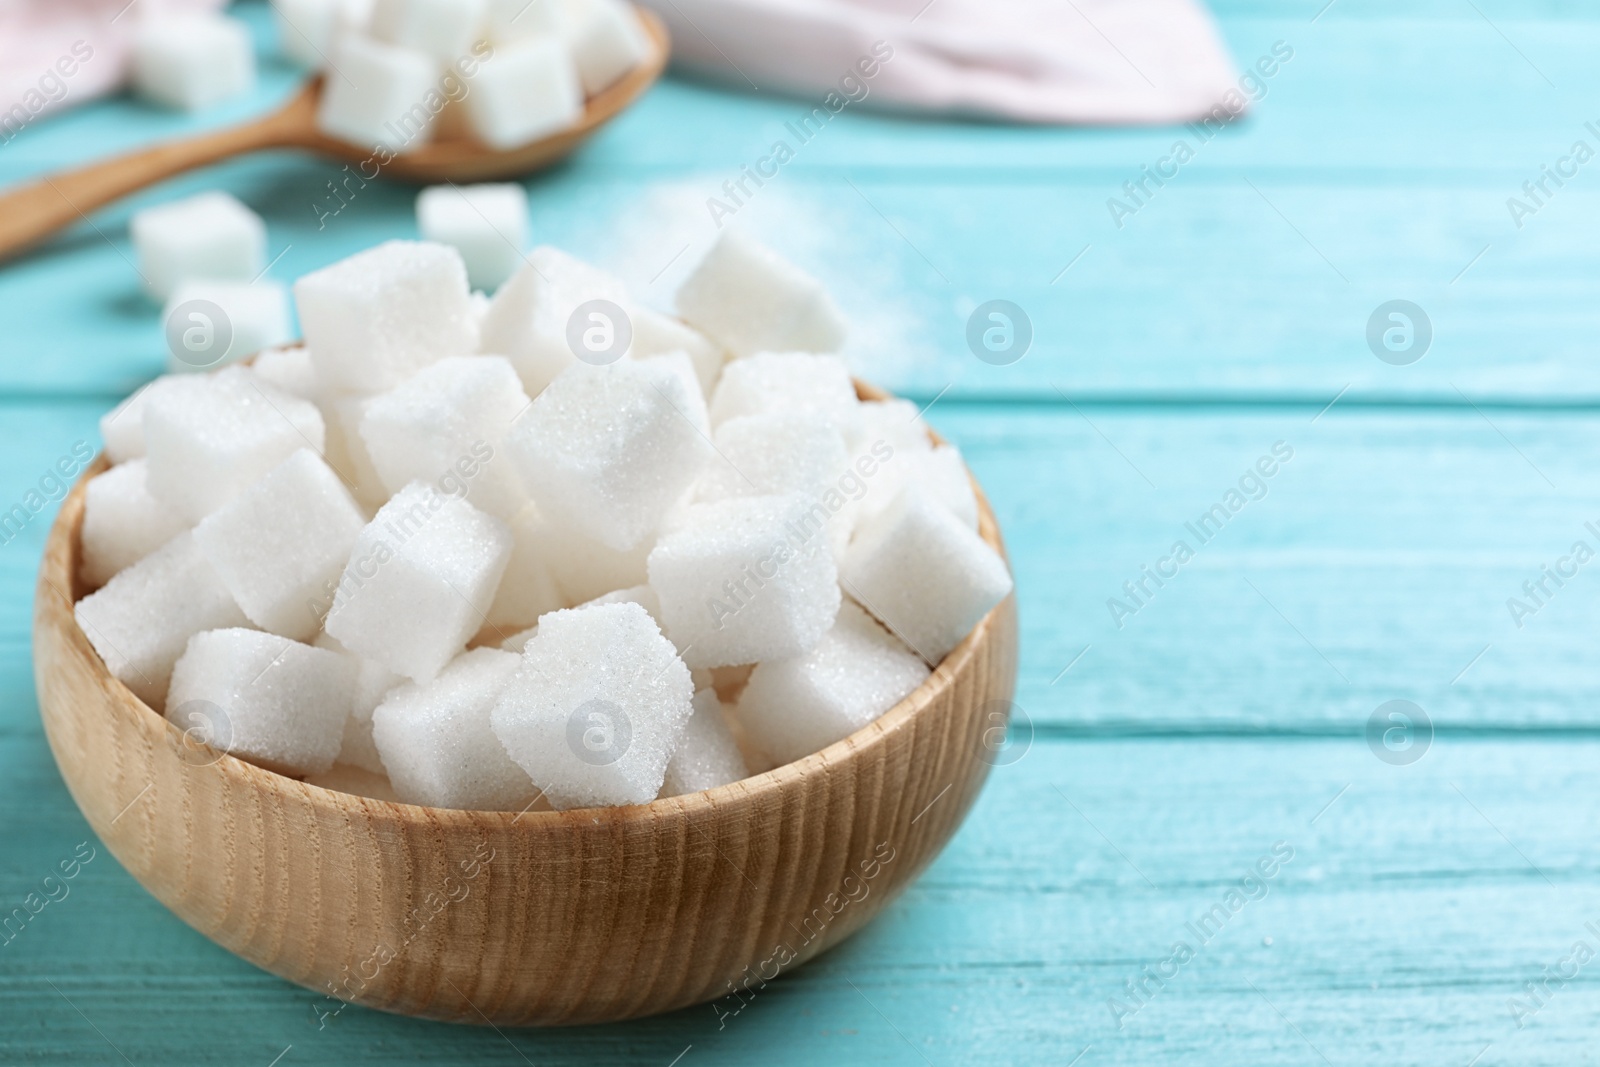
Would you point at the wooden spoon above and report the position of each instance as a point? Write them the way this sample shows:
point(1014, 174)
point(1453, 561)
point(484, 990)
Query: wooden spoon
point(32, 212)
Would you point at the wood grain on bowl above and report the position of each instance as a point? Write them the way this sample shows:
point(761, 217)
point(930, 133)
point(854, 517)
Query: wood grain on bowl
point(537, 918)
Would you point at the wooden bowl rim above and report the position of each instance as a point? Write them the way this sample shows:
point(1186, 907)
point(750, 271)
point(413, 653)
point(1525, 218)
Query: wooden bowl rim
point(771, 783)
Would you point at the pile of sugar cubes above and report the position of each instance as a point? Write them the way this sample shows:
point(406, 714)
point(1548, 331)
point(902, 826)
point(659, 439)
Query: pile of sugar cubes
point(399, 73)
point(559, 549)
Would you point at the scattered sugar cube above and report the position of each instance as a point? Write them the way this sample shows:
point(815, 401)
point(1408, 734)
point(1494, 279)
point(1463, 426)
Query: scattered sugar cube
point(609, 450)
point(378, 96)
point(208, 436)
point(373, 683)
point(596, 707)
point(255, 316)
point(487, 224)
point(793, 707)
point(346, 451)
point(308, 29)
point(527, 319)
point(926, 576)
point(280, 545)
point(655, 334)
point(512, 20)
point(746, 579)
point(289, 369)
point(356, 781)
point(447, 425)
point(208, 235)
point(420, 578)
point(750, 299)
point(443, 29)
point(141, 620)
point(122, 522)
point(528, 589)
point(374, 318)
point(192, 60)
point(436, 743)
point(707, 756)
point(818, 386)
point(263, 698)
point(527, 90)
point(607, 42)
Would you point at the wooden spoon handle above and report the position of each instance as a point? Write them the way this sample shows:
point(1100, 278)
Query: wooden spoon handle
point(33, 211)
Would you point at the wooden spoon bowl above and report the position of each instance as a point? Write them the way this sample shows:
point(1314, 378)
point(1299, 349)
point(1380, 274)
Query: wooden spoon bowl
point(34, 211)
point(512, 919)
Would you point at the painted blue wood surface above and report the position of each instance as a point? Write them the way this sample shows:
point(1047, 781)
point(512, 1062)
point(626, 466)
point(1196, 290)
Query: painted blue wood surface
point(1168, 753)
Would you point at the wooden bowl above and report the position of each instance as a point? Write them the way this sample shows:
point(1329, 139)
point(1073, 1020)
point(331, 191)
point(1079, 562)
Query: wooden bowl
point(541, 918)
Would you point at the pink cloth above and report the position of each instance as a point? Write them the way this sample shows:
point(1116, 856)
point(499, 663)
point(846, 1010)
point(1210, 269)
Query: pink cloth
point(1047, 61)
point(35, 35)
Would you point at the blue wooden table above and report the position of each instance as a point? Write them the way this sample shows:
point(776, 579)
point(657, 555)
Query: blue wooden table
point(1106, 898)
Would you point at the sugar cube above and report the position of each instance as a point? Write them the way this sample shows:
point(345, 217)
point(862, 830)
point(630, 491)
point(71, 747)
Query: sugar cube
point(379, 96)
point(891, 440)
point(584, 568)
point(749, 299)
point(290, 370)
point(641, 595)
point(419, 581)
point(208, 235)
point(447, 425)
point(609, 450)
point(793, 707)
point(512, 20)
point(656, 334)
point(527, 90)
point(606, 41)
point(487, 224)
point(208, 436)
point(374, 318)
point(373, 683)
point(596, 707)
point(707, 756)
point(122, 522)
point(817, 386)
point(943, 474)
point(253, 316)
point(280, 545)
point(192, 60)
point(308, 29)
point(746, 579)
point(262, 698)
point(925, 575)
point(773, 453)
point(122, 428)
point(346, 451)
point(528, 589)
point(528, 317)
point(443, 29)
point(436, 742)
point(140, 621)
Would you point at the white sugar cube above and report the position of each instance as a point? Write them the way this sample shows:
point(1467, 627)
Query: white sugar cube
point(528, 317)
point(655, 334)
point(419, 582)
point(707, 755)
point(596, 707)
point(584, 568)
point(528, 589)
point(122, 522)
point(793, 707)
point(774, 453)
point(280, 545)
point(208, 436)
point(262, 698)
point(641, 595)
point(308, 29)
point(818, 386)
point(208, 235)
point(374, 318)
point(443, 29)
point(122, 428)
point(373, 683)
point(141, 620)
point(487, 224)
point(191, 61)
point(609, 450)
point(447, 425)
point(527, 90)
point(512, 20)
point(254, 316)
point(943, 474)
point(750, 299)
point(607, 42)
point(923, 573)
point(746, 579)
point(346, 451)
point(436, 743)
point(289, 369)
point(891, 441)
point(378, 95)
